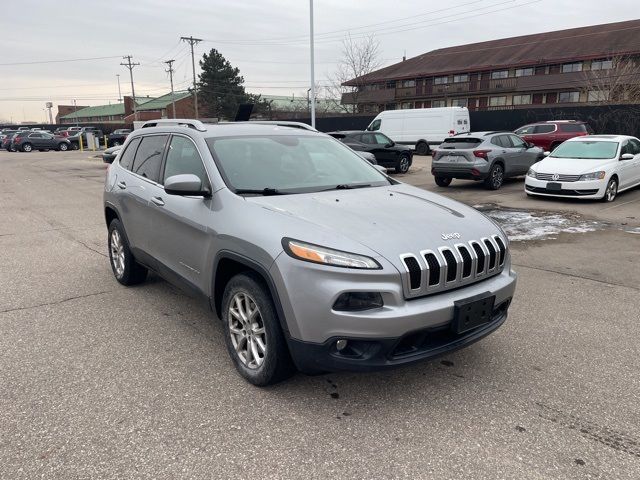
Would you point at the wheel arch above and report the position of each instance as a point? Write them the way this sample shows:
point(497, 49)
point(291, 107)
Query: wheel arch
point(110, 214)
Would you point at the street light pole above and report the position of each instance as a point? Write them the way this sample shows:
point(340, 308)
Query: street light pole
point(313, 80)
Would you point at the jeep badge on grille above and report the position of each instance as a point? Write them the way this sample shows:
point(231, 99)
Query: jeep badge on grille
point(450, 236)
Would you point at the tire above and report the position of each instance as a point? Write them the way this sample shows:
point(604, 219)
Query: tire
point(496, 177)
point(75, 146)
point(246, 292)
point(403, 164)
point(125, 268)
point(611, 191)
point(443, 181)
point(422, 148)
point(63, 147)
point(26, 147)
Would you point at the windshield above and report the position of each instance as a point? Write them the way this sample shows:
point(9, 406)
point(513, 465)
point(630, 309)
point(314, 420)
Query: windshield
point(291, 164)
point(586, 150)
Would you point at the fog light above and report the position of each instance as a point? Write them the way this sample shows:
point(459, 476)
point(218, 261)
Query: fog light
point(356, 301)
point(341, 345)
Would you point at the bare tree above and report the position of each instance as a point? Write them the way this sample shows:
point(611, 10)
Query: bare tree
point(359, 58)
point(617, 85)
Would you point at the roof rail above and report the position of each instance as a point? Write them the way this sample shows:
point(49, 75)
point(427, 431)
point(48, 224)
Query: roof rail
point(177, 122)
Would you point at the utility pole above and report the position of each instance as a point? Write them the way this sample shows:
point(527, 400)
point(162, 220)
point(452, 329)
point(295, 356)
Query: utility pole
point(119, 91)
point(75, 110)
point(313, 80)
point(130, 66)
point(170, 72)
point(193, 41)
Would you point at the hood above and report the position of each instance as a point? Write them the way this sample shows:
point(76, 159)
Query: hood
point(570, 166)
point(387, 220)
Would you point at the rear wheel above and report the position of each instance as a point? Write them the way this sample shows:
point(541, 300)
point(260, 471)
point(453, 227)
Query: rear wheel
point(443, 181)
point(403, 164)
point(422, 148)
point(252, 331)
point(27, 147)
point(63, 147)
point(495, 178)
point(611, 192)
point(125, 268)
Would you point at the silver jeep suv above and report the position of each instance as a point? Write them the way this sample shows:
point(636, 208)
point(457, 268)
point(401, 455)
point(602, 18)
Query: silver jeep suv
point(312, 258)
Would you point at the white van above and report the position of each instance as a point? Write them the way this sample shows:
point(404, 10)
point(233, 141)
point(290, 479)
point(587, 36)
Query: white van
point(422, 127)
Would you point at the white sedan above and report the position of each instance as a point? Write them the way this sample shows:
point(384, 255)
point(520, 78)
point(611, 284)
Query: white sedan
point(594, 166)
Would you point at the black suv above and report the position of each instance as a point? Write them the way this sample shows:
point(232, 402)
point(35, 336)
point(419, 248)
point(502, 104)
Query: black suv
point(387, 153)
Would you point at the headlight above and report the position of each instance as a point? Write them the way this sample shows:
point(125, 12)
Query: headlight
point(327, 256)
point(532, 173)
point(593, 176)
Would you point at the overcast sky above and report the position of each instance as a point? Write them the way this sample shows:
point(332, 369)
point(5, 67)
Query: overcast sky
point(266, 39)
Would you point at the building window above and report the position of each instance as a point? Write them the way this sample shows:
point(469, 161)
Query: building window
point(459, 102)
point(598, 96)
point(405, 105)
point(572, 67)
point(390, 106)
point(438, 104)
point(499, 74)
point(497, 101)
point(522, 99)
point(440, 80)
point(525, 72)
point(461, 78)
point(391, 84)
point(408, 83)
point(569, 97)
point(602, 65)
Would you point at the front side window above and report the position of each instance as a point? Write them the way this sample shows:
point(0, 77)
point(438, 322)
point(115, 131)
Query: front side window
point(634, 146)
point(499, 74)
point(497, 101)
point(148, 158)
point(517, 142)
point(569, 97)
point(572, 67)
point(126, 159)
point(375, 125)
point(290, 164)
point(382, 139)
point(586, 150)
point(183, 158)
point(526, 130)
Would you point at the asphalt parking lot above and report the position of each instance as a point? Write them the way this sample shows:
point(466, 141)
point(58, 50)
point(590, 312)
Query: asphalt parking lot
point(101, 381)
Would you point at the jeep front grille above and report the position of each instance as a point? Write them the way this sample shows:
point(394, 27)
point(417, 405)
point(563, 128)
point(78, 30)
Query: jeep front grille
point(450, 267)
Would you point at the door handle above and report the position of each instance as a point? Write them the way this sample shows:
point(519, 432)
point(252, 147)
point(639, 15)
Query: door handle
point(122, 185)
point(158, 201)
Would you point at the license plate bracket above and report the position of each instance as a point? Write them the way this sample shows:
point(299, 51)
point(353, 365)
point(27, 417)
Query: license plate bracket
point(472, 312)
point(554, 186)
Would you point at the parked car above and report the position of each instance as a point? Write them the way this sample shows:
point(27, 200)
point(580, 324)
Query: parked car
point(5, 133)
point(75, 136)
point(23, 128)
point(110, 154)
point(369, 157)
point(387, 153)
point(117, 137)
point(27, 141)
point(7, 142)
point(421, 128)
point(311, 257)
point(483, 156)
point(595, 166)
point(548, 135)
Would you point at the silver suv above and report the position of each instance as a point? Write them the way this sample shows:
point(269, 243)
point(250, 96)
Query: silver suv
point(487, 156)
point(312, 258)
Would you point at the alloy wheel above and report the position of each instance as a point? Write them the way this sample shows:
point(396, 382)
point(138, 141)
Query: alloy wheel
point(117, 253)
point(404, 165)
point(612, 190)
point(246, 328)
point(497, 177)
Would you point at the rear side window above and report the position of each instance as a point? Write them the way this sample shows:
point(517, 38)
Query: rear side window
point(126, 159)
point(545, 128)
point(148, 158)
point(183, 158)
point(456, 142)
point(501, 141)
point(573, 127)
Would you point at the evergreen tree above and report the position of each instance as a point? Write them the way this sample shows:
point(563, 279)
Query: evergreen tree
point(220, 86)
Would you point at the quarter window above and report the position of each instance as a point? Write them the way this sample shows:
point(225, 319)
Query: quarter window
point(149, 157)
point(126, 159)
point(183, 158)
point(572, 67)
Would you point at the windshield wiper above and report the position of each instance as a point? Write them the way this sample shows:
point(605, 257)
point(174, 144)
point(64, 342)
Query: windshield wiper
point(265, 191)
point(346, 186)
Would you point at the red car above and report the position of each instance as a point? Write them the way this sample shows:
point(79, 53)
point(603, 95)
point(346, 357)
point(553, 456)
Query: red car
point(548, 135)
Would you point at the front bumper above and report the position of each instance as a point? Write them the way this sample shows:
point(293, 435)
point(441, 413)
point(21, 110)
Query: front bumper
point(592, 189)
point(422, 325)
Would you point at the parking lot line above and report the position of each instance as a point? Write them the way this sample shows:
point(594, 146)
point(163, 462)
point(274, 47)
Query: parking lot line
point(619, 205)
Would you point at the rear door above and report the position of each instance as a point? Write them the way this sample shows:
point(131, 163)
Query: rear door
point(180, 238)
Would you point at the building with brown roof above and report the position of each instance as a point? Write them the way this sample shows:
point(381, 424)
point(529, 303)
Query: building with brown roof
point(598, 64)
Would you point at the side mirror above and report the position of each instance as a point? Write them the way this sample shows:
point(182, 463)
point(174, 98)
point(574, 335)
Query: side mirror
point(547, 153)
point(627, 156)
point(186, 184)
point(380, 168)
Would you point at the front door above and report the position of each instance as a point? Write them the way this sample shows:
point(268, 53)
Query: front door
point(524, 156)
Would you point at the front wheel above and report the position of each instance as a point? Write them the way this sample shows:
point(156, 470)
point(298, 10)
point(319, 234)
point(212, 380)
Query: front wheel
point(125, 268)
point(252, 331)
point(611, 191)
point(403, 164)
point(75, 146)
point(443, 181)
point(495, 178)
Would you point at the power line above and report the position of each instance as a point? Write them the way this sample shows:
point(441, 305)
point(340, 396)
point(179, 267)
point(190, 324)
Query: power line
point(193, 41)
point(58, 61)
